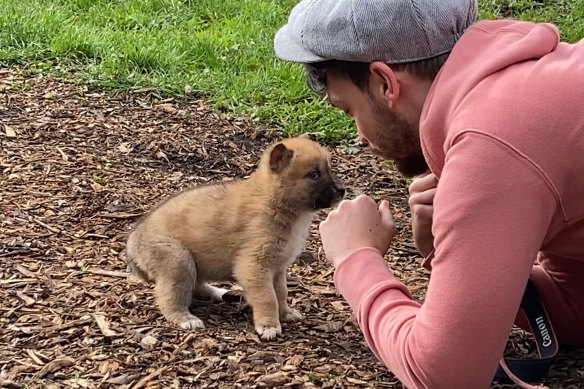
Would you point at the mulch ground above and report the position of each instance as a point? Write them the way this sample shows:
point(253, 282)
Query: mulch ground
point(78, 166)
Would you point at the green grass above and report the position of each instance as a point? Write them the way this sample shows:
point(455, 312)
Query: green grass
point(220, 48)
point(567, 14)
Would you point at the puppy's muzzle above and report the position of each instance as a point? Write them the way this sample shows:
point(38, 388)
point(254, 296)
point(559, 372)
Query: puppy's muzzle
point(330, 195)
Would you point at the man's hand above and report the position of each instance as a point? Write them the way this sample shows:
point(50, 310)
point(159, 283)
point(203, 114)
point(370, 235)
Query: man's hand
point(422, 192)
point(356, 224)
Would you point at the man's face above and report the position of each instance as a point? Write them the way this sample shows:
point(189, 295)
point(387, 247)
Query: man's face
point(387, 133)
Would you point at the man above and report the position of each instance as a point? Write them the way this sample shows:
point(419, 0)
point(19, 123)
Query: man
point(494, 109)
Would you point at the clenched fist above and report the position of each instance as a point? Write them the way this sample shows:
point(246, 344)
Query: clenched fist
point(356, 224)
point(422, 192)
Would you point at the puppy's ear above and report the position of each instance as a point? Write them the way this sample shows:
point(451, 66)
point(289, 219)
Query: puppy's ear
point(280, 157)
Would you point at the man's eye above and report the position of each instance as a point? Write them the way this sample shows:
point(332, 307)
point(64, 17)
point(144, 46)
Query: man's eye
point(313, 175)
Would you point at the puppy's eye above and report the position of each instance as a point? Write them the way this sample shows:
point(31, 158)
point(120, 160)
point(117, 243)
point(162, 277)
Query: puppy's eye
point(313, 175)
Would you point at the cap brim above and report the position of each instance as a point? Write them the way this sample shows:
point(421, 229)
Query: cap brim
point(290, 50)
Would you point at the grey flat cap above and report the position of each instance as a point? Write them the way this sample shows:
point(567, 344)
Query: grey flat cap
point(392, 31)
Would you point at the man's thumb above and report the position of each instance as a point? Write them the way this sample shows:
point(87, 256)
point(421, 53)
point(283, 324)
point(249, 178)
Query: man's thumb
point(385, 212)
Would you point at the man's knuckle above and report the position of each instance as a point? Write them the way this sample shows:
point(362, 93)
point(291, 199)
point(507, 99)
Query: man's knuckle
point(412, 200)
point(418, 211)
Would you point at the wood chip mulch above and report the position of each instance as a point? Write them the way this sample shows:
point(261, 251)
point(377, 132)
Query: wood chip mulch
point(78, 166)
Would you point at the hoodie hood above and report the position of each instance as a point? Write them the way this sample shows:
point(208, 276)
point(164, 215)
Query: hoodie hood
point(485, 49)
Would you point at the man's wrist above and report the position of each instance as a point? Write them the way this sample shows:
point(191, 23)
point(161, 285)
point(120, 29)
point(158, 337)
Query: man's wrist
point(338, 263)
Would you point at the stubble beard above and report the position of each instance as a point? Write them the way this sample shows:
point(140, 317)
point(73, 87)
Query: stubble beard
point(398, 140)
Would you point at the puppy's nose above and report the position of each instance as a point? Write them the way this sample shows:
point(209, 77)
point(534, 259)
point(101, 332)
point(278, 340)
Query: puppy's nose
point(341, 191)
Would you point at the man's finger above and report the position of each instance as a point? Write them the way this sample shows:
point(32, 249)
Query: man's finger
point(423, 211)
point(426, 197)
point(422, 175)
point(423, 184)
point(385, 211)
point(364, 198)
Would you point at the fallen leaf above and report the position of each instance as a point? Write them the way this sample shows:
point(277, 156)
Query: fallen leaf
point(76, 382)
point(96, 187)
point(295, 360)
point(168, 108)
point(355, 381)
point(144, 381)
point(149, 341)
point(273, 379)
point(55, 365)
point(332, 326)
point(50, 95)
point(338, 305)
point(36, 357)
point(122, 148)
point(103, 325)
point(28, 301)
point(124, 379)
point(161, 155)
point(10, 133)
point(108, 366)
point(63, 155)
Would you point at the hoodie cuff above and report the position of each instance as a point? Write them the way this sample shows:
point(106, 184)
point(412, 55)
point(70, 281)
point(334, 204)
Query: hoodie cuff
point(360, 273)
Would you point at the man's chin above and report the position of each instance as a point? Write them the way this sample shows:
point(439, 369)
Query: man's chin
point(409, 166)
point(412, 166)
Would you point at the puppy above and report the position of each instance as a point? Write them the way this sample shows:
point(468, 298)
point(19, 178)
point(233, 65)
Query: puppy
point(248, 231)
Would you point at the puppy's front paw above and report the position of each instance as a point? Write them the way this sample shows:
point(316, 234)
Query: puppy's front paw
point(191, 322)
point(291, 316)
point(268, 332)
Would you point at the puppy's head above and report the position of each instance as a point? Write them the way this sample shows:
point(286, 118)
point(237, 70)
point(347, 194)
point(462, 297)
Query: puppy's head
point(302, 169)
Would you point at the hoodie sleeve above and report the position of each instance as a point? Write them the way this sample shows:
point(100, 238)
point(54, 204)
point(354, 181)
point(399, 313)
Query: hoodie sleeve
point(491, 212)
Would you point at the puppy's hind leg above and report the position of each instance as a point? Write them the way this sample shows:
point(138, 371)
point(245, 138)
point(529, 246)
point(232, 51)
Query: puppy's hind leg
point(287, 314)
point(175, 285)
point(204, 291)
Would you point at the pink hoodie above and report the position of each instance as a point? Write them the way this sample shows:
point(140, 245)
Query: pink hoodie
point(503, 130)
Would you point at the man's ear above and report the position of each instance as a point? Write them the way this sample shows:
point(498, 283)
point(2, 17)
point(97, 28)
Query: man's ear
point(280, 157)
point(384, 83)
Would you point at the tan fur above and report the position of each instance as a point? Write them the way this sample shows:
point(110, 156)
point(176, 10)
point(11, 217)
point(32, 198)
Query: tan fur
point(249, 231)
